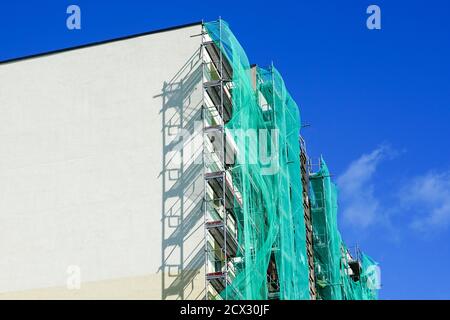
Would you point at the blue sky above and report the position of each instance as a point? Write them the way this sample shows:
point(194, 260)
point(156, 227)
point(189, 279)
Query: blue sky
point(378, 102)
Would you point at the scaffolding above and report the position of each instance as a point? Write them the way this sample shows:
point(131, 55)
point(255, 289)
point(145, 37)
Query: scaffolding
point(270, 223)
point(340, 274)
point(220, 225)
point(254, 223)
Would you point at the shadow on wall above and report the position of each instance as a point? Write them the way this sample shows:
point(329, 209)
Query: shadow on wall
point(182, 249)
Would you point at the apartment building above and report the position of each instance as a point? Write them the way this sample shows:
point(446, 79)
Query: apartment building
point(162, 166)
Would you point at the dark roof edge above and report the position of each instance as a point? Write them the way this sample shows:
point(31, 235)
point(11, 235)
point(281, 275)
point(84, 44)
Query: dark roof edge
point(100, 42)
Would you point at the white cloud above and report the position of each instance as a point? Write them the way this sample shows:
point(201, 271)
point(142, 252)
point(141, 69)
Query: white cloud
point(423, 200)
point(429, 197)
point(359, 206)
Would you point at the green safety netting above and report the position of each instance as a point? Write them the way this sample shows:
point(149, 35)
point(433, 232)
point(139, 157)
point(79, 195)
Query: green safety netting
point(331, 257)
point(366, 287)
point(270, 214)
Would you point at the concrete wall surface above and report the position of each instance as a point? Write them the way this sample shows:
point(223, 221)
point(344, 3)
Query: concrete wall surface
point(93, 184)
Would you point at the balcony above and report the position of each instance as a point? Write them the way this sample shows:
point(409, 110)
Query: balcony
point(215, 57)
point(220, 281)
point(232, 196)
point(218, 93)
point(216, 229)
point(218, 75)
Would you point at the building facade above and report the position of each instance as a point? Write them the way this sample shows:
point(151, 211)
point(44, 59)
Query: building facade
point(160, 166)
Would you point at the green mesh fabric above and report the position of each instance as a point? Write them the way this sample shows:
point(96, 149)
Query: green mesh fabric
point(364, 289)
point(291, 256)
point(271, 216)
point(331, 256)
point(270, 220)
point(326, 236)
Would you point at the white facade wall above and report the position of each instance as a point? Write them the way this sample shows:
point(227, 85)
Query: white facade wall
point(89, 175)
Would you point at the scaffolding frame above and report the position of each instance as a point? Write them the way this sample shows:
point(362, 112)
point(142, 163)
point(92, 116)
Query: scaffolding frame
point(216, 229)
point(305, 164)
point(285, 250)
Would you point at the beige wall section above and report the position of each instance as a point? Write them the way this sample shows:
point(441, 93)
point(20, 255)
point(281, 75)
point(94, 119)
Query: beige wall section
point(89, 175)
point(139, 288)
